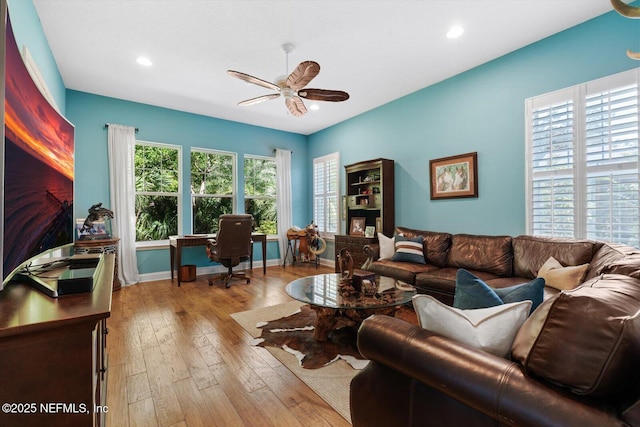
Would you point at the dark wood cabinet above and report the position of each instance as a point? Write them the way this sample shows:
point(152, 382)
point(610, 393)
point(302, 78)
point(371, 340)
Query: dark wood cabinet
point(370, 198)
point(370, 194)
point(53, 358)
point(354, 245)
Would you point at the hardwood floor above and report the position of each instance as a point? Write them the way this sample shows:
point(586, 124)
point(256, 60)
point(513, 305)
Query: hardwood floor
point(177, 358)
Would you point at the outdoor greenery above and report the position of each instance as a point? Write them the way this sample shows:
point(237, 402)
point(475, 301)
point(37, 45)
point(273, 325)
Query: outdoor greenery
point(212, 187)
point(212, 190)
point(156, 174)
point(260, 193)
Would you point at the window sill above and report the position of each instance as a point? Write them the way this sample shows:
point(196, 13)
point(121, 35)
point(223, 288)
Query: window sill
point(156, 244)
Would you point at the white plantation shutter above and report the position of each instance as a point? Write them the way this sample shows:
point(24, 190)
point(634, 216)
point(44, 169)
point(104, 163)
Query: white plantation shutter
point(582, 161)
point(611, 138)
point(553, 202)
point(325, 193)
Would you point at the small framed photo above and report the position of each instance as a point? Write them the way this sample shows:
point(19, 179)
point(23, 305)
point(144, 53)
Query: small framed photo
point(98, 227)
point(369, 231)
point(357, 226)
point(454, 177)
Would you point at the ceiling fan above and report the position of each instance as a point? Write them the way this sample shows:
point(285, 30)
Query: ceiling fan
point(292, 87)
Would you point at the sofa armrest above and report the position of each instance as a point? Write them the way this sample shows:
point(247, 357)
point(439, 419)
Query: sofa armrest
point(372, 251)
point(489, 384)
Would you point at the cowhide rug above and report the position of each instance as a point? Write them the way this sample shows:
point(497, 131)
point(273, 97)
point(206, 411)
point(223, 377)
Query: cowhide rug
point(294, 333)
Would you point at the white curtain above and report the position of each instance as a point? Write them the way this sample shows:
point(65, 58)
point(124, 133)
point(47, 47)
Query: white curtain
point(121, 146)
point(283, 200)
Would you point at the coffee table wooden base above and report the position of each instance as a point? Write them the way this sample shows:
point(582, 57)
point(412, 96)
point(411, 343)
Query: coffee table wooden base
point(331, 319)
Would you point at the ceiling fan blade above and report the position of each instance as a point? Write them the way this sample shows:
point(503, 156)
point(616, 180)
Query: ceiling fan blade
point(323, 95)
point(625, 10)
point(303, 74)
point(258, 99)
point(296, 106)
point(254, 80)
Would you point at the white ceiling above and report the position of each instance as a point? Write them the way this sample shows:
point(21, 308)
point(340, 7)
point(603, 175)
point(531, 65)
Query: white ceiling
point(377, 51)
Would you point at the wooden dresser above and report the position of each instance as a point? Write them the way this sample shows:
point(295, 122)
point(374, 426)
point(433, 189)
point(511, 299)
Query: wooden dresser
point(354, 245)
point(53, 360)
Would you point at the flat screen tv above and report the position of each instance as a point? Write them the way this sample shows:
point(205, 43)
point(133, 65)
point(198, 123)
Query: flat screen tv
point(38, 168)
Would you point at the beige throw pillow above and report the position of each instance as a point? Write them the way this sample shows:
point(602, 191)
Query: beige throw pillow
point(563, 278)
point(490, 329)
point(528, 333)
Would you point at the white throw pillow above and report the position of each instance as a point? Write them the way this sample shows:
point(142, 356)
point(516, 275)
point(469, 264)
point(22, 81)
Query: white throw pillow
point(387, 246)
point(490, 329)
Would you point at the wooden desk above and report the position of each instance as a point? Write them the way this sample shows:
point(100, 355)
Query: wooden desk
point(176, 243)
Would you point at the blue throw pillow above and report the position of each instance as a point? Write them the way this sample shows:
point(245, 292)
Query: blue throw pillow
point(471, 292)
point(408, 250)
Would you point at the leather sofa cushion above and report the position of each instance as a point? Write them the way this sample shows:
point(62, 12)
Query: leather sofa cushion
point(492, 254)
point(531, 252)
point(435, 245)
point(614, 258)
point(404, 271)
point(590, 339)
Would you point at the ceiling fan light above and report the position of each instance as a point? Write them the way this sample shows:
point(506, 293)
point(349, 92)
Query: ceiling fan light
point(455, 32)
point(144, 61)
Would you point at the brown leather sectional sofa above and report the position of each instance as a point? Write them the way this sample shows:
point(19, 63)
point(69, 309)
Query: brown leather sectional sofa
point(500, 261)
point(583, 366)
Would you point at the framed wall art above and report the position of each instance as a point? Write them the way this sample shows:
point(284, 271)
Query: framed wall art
point(454, 177)
point(370, 231)
point(357, 226)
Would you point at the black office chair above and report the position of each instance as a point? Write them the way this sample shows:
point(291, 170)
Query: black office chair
point(231, 245)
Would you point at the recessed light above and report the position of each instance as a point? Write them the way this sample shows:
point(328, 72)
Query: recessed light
point(314, 107)
point(455, 32)
point(144, 61)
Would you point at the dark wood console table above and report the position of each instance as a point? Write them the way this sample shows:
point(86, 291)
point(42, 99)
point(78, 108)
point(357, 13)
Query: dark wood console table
point(53, 353)
point(176, 243)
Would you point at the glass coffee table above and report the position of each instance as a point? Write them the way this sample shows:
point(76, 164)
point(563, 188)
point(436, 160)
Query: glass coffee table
point(334, 311)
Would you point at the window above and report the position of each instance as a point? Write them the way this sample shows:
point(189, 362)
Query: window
point(582, 161)
point(212, 188)
point(260, 192)
point(158, 183)
point(326, 186)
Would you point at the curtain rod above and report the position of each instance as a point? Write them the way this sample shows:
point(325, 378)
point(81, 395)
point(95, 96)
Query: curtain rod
point(276, 149)
point(106, 125)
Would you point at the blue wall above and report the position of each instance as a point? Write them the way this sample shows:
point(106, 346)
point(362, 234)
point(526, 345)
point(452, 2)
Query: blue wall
point(28, 32)
point(480, 110)
point(90, 112)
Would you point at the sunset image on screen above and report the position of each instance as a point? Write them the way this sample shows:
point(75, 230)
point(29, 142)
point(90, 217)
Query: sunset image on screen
point(38, 167)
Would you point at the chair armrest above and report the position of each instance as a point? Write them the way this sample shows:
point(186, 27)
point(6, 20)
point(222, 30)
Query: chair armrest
point(490, 384)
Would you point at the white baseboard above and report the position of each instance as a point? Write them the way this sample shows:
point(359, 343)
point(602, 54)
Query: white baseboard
point(210, 270)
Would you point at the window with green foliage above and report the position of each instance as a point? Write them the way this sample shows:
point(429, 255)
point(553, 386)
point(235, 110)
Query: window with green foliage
point(212, 188)
point(260, 192)
point(157, 176)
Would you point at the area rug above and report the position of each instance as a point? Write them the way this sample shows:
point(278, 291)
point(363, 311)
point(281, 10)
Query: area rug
point(331, 381)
